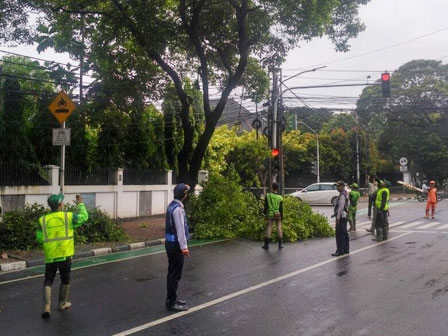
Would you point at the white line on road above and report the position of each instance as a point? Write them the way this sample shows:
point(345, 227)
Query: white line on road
point(411, 225)
point(364, 223)
point(443, 227)
point(395, 224)
point(427, 226)
point(248, 290)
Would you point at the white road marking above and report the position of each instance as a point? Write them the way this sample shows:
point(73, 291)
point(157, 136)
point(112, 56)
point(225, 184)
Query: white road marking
point(249, 289)
point(411, 225)
point(443, 227)
point(363, 223)
point(395, 224)
point(427, 226)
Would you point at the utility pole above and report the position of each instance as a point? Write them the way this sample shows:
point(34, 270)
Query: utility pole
point(80, 67)
point(280, 142)
point(275, 97)
point(357, 150)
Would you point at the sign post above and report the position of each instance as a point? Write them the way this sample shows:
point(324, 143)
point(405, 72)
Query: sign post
point(61, 108)
point(404, 170)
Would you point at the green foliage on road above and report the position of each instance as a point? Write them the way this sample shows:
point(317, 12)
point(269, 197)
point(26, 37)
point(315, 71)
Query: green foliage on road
point(18, 228)
point(225, 210)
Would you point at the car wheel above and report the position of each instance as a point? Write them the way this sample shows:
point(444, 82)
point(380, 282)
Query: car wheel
point(334, 200)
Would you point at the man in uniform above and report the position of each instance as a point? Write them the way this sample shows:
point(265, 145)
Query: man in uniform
point(432, 199)
point(354, 198)
point(176, 237)
point(382, 212)
point(56, 231)
point(273, 210)
point(341, 212)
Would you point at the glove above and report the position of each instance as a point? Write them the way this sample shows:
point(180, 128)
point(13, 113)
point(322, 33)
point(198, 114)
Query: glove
point(186, 253)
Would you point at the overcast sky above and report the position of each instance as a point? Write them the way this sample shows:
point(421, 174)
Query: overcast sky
point(388, 22)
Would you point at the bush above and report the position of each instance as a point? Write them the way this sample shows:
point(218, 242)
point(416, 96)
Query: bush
point(223, 210)
point(18, 228)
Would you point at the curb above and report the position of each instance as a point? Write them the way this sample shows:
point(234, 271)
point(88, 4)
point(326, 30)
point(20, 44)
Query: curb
point(12, 266)
point(18, 265)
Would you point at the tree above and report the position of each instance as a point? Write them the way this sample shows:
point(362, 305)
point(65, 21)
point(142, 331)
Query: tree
point(215, 38)
point(314, 118)
point(413, 121)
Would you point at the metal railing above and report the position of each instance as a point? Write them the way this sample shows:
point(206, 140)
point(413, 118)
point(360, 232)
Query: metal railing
point(144, 177)
point(13, 176)
point(75, 176)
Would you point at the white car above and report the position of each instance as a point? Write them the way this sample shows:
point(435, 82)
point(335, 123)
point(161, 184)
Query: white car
point(318, 193)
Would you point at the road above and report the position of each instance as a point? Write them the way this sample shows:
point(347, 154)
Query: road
point(398, 287)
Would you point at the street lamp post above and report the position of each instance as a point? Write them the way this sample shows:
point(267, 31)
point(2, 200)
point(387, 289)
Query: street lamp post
point(317, 148)
point(274, 119)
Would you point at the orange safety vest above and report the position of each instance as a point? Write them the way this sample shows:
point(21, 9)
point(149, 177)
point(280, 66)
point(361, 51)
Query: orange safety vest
point(432, 195)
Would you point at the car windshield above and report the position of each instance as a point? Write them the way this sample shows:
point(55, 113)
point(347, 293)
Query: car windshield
point(314, 187)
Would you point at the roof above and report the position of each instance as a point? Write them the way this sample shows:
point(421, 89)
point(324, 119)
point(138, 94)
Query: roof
point(234, 114)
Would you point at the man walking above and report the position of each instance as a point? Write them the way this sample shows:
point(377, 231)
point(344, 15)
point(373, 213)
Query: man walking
point(354, 198)
point(341, 212)
point(273, 210)
point(56, 232)
point(176, 237)
point(372, 187)
point(382, 211)
point(432, 199)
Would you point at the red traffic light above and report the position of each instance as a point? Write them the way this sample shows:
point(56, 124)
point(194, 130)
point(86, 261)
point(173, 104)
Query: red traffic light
point(385, 76)
point(275, 152)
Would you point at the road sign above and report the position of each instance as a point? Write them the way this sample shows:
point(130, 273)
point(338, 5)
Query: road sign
point(403, 161)
point(404, 169)
point(62, 107)
point(61, 136)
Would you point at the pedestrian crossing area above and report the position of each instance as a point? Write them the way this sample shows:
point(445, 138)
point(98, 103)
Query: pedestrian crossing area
point(412, 225)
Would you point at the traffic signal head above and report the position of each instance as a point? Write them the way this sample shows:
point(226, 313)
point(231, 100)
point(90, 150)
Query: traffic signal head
point(275, 152)
point(313, 168)
point(275, 160)
point(385, 85)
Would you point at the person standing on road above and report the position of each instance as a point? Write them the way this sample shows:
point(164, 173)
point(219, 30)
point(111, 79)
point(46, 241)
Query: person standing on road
point(382, 212)
point(176, 237)
point(374, 211)
point(273, 210)
point(56, 232)
point(432, 199)
point(354, 198)
point(341, 213)
point(372, 187)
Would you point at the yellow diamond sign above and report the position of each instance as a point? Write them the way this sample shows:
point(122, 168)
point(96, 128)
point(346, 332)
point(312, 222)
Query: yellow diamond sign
point(62, 107)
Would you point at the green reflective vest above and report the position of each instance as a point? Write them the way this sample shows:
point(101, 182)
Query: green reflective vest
point(57, 232)
point(379, 198)
point(274, 201)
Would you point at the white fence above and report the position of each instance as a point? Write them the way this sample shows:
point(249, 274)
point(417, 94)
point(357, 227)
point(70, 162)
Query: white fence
point(118, 200)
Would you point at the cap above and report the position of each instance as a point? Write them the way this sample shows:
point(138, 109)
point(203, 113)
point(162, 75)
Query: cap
point(432, 182)
point(54, 200)
point(383, 182)
point(340, 183)
point(354, 186)
point(180, 190)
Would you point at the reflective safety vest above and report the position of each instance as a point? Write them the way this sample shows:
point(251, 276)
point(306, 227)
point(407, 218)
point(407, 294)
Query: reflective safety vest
point(274, 201)
point(170, 226)
point(57, 231)
point(379, 198)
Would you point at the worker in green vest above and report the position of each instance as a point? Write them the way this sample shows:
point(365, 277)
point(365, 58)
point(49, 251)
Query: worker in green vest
point(382, 206)
point(273, 210)
point(56, 231)
point(353, 207)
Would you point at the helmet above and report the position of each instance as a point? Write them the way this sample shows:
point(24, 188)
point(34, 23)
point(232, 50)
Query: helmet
point(354, 186)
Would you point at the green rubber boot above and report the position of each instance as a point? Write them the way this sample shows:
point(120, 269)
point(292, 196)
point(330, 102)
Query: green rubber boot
point(63, 296)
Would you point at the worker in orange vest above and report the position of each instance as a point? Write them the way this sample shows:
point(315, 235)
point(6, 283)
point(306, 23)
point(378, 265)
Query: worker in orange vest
point(432, 199)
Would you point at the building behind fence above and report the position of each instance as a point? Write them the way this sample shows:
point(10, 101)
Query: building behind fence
point(122, 193)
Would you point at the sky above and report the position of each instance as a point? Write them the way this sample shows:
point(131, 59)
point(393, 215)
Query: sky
point(397, 31)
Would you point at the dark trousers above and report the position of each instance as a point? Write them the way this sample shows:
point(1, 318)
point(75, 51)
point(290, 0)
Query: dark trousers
point(64, 269)
point(342, 239)
point(371, 204)
point(175, 266)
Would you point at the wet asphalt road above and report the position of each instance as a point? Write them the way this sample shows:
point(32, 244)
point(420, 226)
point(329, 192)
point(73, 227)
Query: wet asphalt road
point(395, 288)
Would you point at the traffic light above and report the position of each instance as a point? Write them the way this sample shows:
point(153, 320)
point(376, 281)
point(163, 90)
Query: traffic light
point(275, 160)
point(313, 168)
point(385, 85)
